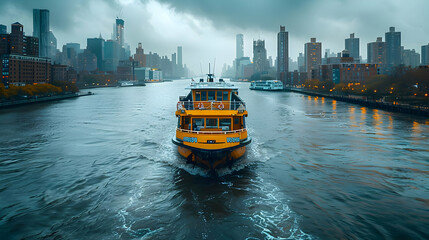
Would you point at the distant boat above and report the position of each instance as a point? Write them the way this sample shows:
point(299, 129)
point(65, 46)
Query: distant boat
point(127, 84)
point(266, 85)
point(130, 83)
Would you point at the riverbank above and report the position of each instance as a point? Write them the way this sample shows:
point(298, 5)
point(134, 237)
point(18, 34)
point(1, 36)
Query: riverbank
point(15, 103)
point(402, 108)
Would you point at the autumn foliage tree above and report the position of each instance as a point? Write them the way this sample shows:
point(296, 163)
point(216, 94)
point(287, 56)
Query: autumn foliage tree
point(40, 90)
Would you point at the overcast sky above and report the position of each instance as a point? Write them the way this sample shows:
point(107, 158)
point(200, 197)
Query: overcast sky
point(206, 28)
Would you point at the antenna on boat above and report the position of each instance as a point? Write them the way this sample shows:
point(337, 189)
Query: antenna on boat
point(202, 74)
point(209, 76)
point(214, 67)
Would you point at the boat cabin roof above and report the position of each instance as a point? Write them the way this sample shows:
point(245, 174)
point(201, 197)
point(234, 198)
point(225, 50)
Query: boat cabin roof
point(211, 85)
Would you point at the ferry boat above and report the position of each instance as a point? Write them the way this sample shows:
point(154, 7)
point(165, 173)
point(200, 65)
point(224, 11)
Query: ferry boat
point(266, 85)
point(211, 128)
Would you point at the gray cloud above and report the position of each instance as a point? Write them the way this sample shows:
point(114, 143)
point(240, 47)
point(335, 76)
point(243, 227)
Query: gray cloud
point(208, 28)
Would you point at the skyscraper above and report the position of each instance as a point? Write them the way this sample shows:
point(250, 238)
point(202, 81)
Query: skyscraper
point(352, 45)
point(41, 30)
point(52, 45)
point(119, 32)
point(239, 51)
point(179, 57)
point(111, 55)
point(393, 47)
point(425, 55)
point(313, 57)
point(260, 60)
point(174, 59)
point(377, 51)
point(75, 46)
point(3, 29)
point(301, 63)
point(283, 54)
point(96, 46)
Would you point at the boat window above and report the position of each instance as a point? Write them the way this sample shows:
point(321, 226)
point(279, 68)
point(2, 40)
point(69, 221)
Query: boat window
point(178, 122)
point(225, 124)
point(211, 95)
point(203, 95)
point(185, 123)
point(197, 124)
point(211, 123)
point(225, 96)
point(197, 96)
point(219, 96)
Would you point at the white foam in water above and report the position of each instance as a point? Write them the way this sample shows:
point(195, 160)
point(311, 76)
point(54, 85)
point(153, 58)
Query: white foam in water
point(128, 220)
point(255, 153)
point(273, 216)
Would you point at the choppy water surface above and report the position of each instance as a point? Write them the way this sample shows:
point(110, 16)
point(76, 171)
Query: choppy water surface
point(103, 167)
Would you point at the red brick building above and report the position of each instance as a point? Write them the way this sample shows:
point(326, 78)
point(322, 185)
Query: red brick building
point(22, 70)
point(348, 72)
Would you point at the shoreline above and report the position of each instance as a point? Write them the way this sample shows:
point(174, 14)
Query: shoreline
point(401, 108)
point(16, 103)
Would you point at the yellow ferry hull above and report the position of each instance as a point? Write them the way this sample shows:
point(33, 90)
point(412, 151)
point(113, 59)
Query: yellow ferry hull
point(213, 158)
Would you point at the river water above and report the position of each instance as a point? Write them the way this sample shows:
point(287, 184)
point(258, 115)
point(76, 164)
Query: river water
point(104, 167)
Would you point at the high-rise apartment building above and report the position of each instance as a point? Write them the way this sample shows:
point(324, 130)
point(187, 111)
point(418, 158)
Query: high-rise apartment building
point(239, 46)
point(260, 60)
point(393, 47)
point(31, 46)
point(18, 44)
point(283, 54)
point(352, 45)
point(425, 55)
point(140, 57)
point(41, 30)
point(377, 51)
point(410, 58)
point(17, 39)
point(313, 57)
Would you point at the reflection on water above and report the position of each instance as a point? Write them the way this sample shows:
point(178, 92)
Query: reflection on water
point(103, 167)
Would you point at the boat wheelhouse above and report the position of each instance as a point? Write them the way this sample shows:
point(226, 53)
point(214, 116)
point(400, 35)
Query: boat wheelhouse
point(266, 85)
point(211, 129)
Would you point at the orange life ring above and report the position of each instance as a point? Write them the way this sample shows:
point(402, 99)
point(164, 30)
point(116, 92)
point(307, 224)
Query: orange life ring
point(200, 105)
point(221, 106)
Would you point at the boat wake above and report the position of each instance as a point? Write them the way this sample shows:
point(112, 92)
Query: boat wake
point(272, 215)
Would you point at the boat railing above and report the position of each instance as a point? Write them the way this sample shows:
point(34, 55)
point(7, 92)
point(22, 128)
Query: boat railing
point(211, 132)
point(211, 105)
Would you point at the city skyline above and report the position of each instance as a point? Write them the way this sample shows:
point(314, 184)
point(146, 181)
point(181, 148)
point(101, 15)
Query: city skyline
point(205, 37)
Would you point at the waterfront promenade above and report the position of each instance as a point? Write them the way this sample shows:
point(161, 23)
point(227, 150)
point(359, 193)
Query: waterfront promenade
point(33, 100)
point(388, 106)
